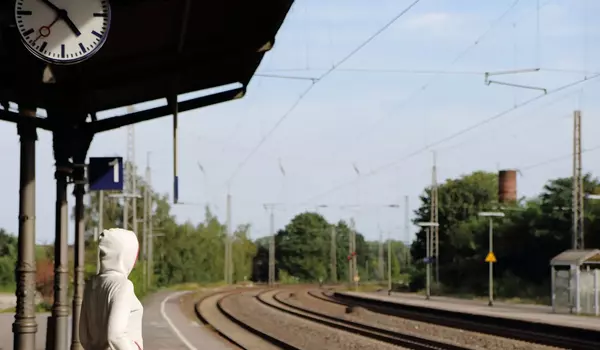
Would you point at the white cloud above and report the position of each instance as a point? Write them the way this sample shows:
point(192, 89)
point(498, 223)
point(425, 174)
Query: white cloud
point(431, 20)
point(440, 24)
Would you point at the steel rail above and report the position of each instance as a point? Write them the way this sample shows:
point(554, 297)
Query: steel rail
point(534, 332)
point(390, 337)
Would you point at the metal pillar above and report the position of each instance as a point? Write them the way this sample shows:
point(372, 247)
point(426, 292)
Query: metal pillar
point(60, 308)
point(389, 258)
point(578, 214)
point(100, 226)
point(79, 263)
point(333, 256)
point(146, 216)
point(354, 258)
point(150, 243)
point(25, 326)
point(125, 198)
point(228, 260)
point(435, 243)
point(491, 266)
point(173, 103)
point(272, 249)
point(428, 267)
point(350, 251)
point(150, 236)
point(407, 230)
point(381, 267)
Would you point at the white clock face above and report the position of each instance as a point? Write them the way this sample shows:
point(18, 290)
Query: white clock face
point(63, 31)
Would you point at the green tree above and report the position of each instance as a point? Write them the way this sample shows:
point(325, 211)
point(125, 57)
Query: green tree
point(302, 248)
point(183, 253)
point(395, 266)
point(244, 251)
point(462, 240)
point(8, 259)
point(532, 232)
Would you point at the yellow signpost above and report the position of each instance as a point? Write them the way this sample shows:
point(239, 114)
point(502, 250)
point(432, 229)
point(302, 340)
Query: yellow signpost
point(490, 258)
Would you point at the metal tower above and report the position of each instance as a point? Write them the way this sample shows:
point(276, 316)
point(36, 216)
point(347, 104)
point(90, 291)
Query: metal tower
point(380, 267)
point(130, 194)
point(333, 255)
point(228, 234)
point(435, 242)
point(272, 263)
point(578, 232)
point(272, 249)
point(352, 260)
point(350, 252)
point(407, 228)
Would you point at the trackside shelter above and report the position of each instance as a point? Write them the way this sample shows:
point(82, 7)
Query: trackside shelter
point(575, 276)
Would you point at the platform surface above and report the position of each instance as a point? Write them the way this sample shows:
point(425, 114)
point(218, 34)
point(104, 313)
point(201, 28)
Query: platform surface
point(6, 334)
point(525, 312)
point(165, 328)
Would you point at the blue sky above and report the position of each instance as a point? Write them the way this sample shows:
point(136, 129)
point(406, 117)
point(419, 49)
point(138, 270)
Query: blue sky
point(369, 113)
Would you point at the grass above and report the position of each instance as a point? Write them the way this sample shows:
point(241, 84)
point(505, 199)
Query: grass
point(195, 286)
point(8, 289)
point(366, 287)
point(509, 300)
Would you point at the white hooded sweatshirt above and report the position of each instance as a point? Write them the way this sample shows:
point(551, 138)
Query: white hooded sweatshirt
point(111, 314)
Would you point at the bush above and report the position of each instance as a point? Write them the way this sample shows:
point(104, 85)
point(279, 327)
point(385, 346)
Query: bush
point(286, 278)
point(44, 280)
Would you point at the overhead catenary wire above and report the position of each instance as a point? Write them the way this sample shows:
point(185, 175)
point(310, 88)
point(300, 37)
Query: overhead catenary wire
point(557, 159)
point(319, 79)
point(454, 135)
point(479, 136)
point(298, 69)
point(429, 71)
point(425, 86)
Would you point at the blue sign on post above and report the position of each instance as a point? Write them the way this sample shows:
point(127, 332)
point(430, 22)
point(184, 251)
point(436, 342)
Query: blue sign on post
point(105, 174)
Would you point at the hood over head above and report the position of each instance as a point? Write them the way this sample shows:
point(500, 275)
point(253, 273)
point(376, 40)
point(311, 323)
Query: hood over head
point(118, 250)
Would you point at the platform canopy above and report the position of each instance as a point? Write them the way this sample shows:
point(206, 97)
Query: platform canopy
point(155, 49)
point(573, 257)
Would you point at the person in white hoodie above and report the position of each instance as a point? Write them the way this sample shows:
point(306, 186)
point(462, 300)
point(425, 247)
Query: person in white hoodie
point(111, 314)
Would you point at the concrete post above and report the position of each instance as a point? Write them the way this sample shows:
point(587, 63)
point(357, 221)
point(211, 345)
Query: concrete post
point(25, 326)
point(570, 289)
point(577, 290)
point(597, 292)
point(553, 287)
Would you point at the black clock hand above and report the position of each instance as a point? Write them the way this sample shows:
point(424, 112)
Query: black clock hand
point(64, 16)
point(71, 24)
point(52, 6)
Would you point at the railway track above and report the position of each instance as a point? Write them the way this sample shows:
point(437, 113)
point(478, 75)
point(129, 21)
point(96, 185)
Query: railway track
point(563, 337)
point(247, 335)
point(272, 298)
point(305, 305)
point(211, 312)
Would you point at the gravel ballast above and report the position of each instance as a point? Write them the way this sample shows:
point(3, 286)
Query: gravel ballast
point(450, 335)
point(295, 331)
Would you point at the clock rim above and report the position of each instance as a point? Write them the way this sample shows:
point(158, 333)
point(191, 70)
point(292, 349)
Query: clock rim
point(69, 62)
